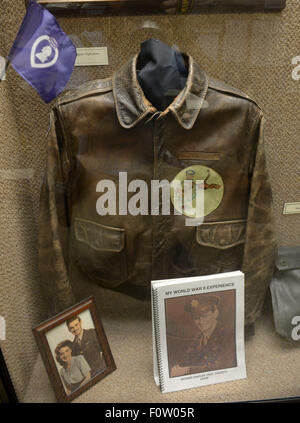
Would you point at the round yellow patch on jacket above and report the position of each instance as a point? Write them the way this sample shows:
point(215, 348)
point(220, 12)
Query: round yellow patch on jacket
point(183, 195)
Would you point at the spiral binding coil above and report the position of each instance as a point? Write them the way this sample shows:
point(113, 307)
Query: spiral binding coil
point(157, 339)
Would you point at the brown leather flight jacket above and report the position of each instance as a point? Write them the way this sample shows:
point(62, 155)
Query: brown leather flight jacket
point(108, 126)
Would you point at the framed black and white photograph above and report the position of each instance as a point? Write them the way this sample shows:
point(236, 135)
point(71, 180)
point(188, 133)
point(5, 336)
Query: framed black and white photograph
point(75, 350)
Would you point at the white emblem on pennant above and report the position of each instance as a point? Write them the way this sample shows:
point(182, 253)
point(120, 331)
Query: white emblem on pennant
point(38, 59)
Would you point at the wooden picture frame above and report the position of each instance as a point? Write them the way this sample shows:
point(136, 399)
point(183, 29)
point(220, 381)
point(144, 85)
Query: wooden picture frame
point(73, 345)
point(144, 7)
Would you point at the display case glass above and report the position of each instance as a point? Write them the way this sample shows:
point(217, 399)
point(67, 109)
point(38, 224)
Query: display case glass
point(116, 118)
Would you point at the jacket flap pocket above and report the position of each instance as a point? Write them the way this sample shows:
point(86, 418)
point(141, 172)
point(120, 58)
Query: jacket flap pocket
point(99, 237)
point(288, 258)
point(222, 234)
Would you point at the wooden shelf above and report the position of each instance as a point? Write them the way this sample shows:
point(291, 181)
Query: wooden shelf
point(128, 7)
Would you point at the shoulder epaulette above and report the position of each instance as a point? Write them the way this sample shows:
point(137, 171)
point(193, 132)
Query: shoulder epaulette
point(85, 90)
point(226, 88)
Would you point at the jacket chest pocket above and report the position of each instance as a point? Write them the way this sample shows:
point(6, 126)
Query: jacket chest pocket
point(219, 246)
point(99, 251)
point(221, 235)
point(195, 156)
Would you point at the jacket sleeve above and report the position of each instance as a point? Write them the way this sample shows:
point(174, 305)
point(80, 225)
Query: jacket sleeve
point(53, 222)
point(260, 246)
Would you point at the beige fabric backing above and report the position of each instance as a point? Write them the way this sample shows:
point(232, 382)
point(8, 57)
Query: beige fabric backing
point(250, 51)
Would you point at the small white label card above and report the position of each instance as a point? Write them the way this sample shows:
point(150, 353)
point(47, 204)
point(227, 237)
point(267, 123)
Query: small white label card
point(91, 56)
point(291, 208)
point(2, 329)
point(2, 68)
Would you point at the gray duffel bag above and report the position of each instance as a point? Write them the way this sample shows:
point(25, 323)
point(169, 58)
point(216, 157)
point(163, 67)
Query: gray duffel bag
point(285, 292)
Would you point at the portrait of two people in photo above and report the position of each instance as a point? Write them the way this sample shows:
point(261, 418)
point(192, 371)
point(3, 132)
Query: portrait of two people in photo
point(80, 359)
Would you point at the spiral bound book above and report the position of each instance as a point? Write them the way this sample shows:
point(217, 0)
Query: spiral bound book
point(198, 330)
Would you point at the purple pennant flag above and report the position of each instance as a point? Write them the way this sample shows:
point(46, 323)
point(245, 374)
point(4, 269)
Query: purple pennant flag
point(42, 53)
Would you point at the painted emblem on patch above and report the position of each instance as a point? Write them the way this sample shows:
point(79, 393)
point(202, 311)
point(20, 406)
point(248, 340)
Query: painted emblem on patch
point(213, 188)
